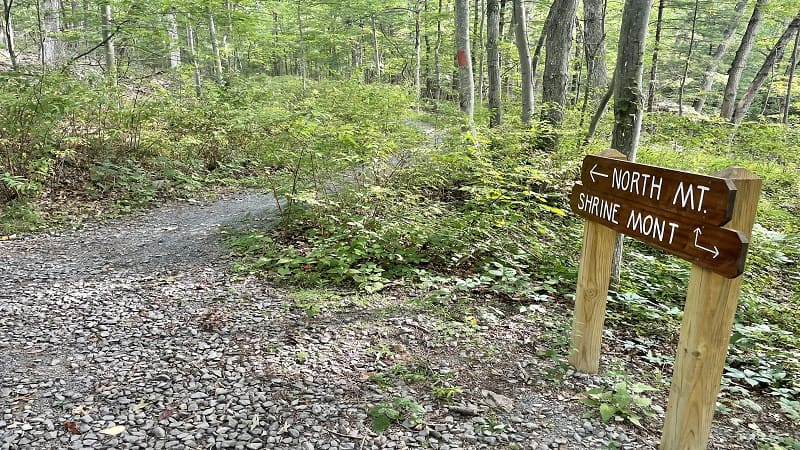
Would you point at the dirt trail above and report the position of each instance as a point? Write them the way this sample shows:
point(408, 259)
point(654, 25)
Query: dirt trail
point(175, 237)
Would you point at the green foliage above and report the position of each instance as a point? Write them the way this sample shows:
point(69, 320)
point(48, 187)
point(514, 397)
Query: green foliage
point(622, 402)
point(398, 410)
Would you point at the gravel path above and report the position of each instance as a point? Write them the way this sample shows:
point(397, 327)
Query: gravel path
point(136, 335)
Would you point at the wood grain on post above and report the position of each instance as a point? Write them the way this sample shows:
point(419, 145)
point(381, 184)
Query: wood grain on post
point(705, 333)
point(594, 274)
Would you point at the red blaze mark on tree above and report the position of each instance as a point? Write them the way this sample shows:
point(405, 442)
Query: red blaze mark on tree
point(462, 58)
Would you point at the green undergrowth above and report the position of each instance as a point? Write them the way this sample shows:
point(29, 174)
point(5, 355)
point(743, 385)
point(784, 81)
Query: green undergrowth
point(66, 143)
point(484, 216)
point(462, 221)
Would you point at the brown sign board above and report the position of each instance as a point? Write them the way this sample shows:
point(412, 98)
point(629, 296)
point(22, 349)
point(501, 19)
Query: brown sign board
point(693, 197)
point(717, 249)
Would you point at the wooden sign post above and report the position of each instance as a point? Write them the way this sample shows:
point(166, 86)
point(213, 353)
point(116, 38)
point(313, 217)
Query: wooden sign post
point(682, 214)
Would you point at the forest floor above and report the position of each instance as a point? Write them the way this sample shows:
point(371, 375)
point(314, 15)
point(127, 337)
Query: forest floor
point(137, 334)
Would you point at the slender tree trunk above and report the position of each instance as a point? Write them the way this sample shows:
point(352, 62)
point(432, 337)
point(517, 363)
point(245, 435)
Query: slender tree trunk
point(594, 45)
point(628, 104)
point(466, 85)
point(493, 61)
point(437, 60)
point(418, 51)
point(556, 67)
point(525, 65)
point(212, 32)
point(787, 99)
point(376, 49)
point(719, 52)
point(174, 46)
point(303, 45)
point(598, 114)
point(109, 53)
point(740, 61)
point(651, 89)
point(74, 11)
point(685, 74)
point(773, 58)
point(537, 52)
point(276, 60)
point(483, 50)
point(51, 46)
point(8, 33)
point(198, 83)
point(577, 65)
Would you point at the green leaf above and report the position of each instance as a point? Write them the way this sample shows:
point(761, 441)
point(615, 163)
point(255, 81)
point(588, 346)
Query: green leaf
point(380, 423)
point(607, 412)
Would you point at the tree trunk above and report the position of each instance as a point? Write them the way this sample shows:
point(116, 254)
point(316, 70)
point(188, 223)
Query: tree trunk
point(594, 45)
point(719, 52)
point(303, 46)
point(51, 47)
point(108, 47)
point(8, 33)
point(466, 85)
point(787, 99)
point(524, 61)
point(556, 67)
point(651, 88)
point(483, 50)
point(212, 32)
point(628, 105)
point(418, 51)
point(773, 58)
point(493, 61)
point(740, 61)
point(198, 83)
point(537, 52)
point(685, 74)
point(174, 46)
point(437, 60)
point(376, 49)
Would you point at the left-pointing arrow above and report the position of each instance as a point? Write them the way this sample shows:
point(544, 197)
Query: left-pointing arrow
point(593, 172)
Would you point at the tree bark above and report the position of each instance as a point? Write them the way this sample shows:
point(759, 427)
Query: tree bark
point(437, 60)
point(482, 50)
point(685, 74)
point(719, 52)
point(651, 88)
point(524, 61)
point(108, 47)
point(787, 99)
point(301, 31)
point(376, 49)
point(556, 67)
point(628, 105)
point(51, 46)
point(773, 58)
point(8, 33)
point(174, 46)
point(493, 61)
point(594, 45)
point(418, 51)
point(212, 32)
point(466, 85)
point(198, 83)
point(740, 61)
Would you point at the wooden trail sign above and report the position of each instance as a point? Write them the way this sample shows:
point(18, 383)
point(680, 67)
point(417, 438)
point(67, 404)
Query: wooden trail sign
point(718, 249)
point(711, 297)
point(694, 197)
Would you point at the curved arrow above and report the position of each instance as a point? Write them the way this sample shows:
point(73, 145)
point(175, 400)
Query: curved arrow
point(697, 233)
point(592, 173)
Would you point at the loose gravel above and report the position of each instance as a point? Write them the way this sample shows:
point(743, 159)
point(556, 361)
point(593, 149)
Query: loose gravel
point(136, 335)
